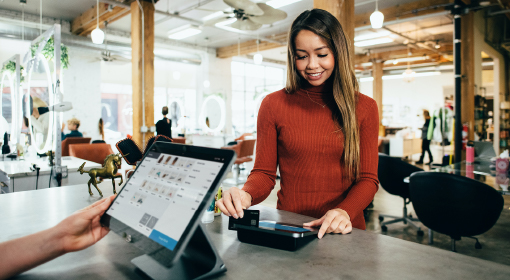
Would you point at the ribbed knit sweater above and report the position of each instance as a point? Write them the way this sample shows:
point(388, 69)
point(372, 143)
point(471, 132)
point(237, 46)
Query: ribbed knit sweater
point(298, 135)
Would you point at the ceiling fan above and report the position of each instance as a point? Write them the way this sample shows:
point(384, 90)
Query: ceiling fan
point(251, 16)
point(107, 56)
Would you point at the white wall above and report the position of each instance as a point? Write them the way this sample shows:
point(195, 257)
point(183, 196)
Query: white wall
point(81, 87)
point(409, 99)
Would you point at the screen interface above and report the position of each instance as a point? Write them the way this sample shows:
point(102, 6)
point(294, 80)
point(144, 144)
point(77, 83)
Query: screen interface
point(163, 194)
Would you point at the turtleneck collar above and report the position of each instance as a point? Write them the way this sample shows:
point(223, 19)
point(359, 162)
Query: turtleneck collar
point(317, 91)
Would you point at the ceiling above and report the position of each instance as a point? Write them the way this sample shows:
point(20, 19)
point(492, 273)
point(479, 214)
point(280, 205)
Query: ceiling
point(211, 36)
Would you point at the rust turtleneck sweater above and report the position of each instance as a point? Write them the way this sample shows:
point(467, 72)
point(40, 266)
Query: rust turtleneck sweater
point(297, 134)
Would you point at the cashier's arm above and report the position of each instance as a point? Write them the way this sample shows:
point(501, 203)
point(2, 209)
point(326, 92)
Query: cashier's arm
point(77, 232)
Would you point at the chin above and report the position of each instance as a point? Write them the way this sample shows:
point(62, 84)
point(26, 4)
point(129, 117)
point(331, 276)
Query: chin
point(316, 82)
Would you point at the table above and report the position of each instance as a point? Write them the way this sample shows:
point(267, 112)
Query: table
point(359, 255)
point(480, 170)
point(19, 176)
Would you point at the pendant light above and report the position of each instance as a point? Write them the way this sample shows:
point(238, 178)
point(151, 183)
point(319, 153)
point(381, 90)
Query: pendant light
point(409, 74)
point(257, 58)
point(376, 18)
point(97, 34)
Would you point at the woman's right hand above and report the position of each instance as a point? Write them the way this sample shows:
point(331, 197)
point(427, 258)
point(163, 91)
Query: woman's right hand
point(233, 202)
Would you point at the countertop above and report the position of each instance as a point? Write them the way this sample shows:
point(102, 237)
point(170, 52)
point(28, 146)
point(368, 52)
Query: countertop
point(359, 255)
point(21, 168)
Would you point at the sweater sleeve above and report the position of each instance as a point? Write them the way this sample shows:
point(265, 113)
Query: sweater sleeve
point(262, 178)
point(362, 193)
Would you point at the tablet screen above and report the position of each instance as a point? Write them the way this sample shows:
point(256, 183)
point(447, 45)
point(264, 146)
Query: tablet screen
point(164, 193)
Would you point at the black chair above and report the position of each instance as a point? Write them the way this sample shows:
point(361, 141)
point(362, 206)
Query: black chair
point(392, 172)
point(455, 205)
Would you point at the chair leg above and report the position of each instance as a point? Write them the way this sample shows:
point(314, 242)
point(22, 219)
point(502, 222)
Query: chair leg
point(389, 216)
point(453, 245)
point(411, 222)
point(393, 221)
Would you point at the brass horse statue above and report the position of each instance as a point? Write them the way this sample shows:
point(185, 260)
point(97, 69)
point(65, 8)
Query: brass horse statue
point(109, 170)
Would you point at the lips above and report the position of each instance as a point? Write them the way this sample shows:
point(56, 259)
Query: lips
point(314, 76)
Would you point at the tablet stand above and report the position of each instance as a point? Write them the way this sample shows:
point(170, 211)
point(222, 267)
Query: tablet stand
point(198, 261)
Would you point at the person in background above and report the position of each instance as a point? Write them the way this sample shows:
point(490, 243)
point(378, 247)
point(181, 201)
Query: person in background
point(101, 128)
point(73, 125)
point(77, 232)
point(164, 126)
point(320, 131)
point(425, 144)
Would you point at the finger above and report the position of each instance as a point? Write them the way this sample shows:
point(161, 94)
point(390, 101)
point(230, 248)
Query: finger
point(98, 209)
point(236, 198)
point(325, 224)
point(323, 229)
point(334, 225)
point(314, 223)
point(94, 204)
point(222, 207)
point(341, 226)
point(348, 229)
point(227, 201)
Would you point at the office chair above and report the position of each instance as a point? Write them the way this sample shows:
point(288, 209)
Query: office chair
point(391, 173)
point(455, 205)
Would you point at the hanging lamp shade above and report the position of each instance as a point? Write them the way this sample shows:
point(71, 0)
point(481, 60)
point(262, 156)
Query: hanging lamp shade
point(97, 36)
point(376, 19)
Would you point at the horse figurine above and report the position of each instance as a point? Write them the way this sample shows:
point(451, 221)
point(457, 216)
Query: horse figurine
point(109, 170)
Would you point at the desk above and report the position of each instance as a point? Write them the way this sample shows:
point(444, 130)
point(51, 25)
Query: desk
point(19, 177)
point(480, 171)
point(359, 255)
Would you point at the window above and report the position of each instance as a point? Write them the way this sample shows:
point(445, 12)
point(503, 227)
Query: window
point(250, 84)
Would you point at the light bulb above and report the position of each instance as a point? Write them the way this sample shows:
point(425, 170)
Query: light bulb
point(437, 46)
point(395, 62)
point(207, 84)
point(376, 19)
point(97, 36)
point(257, 58)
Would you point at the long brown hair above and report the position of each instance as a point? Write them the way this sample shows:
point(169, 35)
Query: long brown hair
point(345, 85)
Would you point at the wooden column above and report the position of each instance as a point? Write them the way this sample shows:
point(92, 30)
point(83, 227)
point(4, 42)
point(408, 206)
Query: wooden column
point(141, 100)
point(377, 73)
point(343, 10)
point(468, 73)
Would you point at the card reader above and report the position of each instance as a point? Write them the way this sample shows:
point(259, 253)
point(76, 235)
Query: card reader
point(270, 233)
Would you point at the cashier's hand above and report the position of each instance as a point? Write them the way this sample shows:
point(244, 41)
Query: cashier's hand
point(335, 220)
point(82, 229)
point(233, 202)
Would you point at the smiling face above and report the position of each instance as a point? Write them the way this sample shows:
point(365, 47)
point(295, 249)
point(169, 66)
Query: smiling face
point(314, 60)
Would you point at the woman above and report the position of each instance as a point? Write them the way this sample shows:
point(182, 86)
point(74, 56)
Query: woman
point(425, 144)
point(319, 130)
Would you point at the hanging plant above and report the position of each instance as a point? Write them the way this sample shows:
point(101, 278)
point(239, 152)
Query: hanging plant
point(49, 51)
point(11, 68)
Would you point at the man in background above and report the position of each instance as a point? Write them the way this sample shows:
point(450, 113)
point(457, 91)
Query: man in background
point(164, 126)
point(73, 125)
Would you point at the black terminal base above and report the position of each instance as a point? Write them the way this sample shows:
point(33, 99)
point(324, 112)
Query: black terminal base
point(198, 261)
point(276, 241)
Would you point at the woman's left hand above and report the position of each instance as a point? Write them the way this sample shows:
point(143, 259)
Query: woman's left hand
point(335, 220)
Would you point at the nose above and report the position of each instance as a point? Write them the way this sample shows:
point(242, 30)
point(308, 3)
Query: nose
point(313, 63)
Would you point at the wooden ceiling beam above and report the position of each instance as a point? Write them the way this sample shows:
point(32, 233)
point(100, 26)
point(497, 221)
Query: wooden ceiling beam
point(245, 48)
point(402, 53)
point(402, 11)
point(86, 22)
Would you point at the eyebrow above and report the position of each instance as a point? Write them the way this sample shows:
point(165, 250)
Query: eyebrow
point(317, 49)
